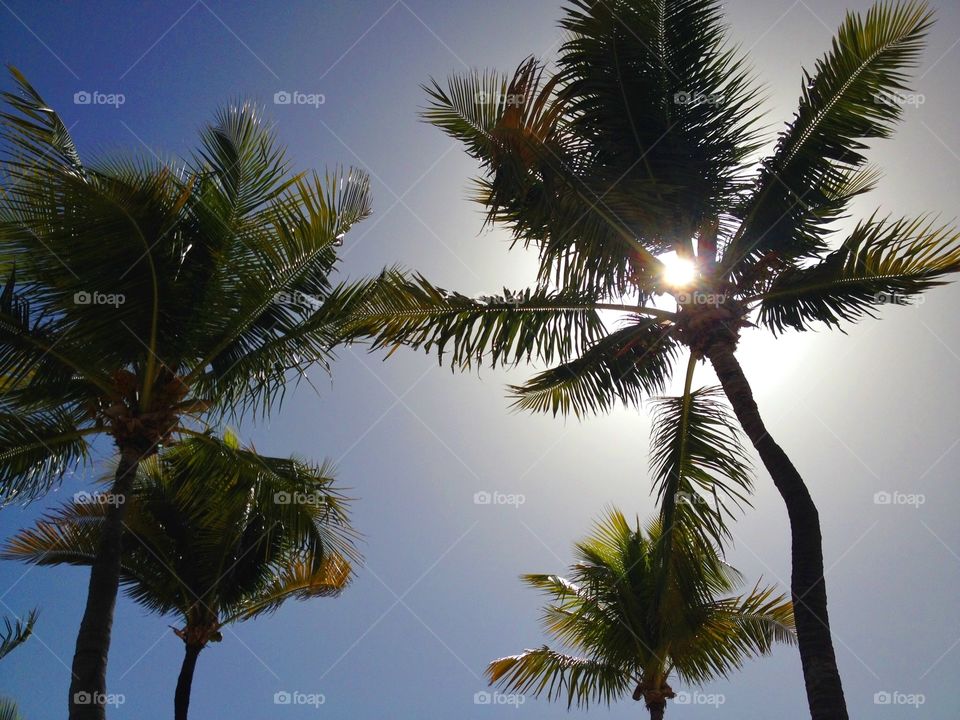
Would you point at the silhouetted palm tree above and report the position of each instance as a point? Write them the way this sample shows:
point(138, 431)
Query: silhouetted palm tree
point(143, 295)
point(631, 629)
point(215, 534)
point(641, 146)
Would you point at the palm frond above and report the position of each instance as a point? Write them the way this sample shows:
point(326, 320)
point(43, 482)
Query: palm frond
point(505, 329)
point(882, 262)
point(298, 580)
point(625, 365)
point(844, 103)
point(577, 680)
point(734, 630)
point(8, 710)
point(34, 134)
point(38, 449)
point(17, 633)
point(700, 470)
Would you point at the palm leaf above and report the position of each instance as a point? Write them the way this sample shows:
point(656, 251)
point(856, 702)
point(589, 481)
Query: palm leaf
point(624, 365)
point(504, 329)
point(701, 473)
point(577, 680)
point(842, 105)
point(881, 262)
point(299, 580)
point(8, 710)
point(17, 633)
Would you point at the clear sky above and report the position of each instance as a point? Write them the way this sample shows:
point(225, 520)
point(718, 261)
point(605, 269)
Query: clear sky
point(874, 410)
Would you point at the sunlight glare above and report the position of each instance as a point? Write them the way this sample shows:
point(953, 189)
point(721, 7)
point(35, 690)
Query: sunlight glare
point(678, 272)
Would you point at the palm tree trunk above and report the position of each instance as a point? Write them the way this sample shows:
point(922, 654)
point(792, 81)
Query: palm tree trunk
point(88, 687)
point(181, 701)
point(808, 588)
point(657, 709)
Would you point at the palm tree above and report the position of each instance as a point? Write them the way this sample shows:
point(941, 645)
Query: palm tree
point(642, 146)
point(144, 296)
point(13, 636)
point(215, 534)
point(631, 631)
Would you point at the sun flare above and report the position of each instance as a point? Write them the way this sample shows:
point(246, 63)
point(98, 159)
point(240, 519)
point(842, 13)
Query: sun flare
point(678, 272)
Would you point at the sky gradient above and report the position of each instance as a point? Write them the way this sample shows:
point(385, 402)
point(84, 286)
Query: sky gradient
point(871, 411)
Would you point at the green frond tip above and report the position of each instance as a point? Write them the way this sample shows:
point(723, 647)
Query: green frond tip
point(17, 633)
point(882, 262)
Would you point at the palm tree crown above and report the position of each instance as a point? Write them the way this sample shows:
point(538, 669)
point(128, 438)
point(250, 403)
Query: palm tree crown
point(214, 533)
point(631, 630)
point(140, 292)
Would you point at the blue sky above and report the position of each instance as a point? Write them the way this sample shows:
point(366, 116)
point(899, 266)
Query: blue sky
point(438, 598)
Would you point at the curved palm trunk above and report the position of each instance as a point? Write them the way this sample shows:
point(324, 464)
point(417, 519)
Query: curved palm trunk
point(89, 680)
point(181, 700)
point(808, 588)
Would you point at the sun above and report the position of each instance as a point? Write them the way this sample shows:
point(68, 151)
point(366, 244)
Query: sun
point(678, 272)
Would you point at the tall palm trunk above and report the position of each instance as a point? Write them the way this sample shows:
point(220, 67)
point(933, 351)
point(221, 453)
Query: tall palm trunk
point(181, 700)
point(807, 585)
point(88, 687)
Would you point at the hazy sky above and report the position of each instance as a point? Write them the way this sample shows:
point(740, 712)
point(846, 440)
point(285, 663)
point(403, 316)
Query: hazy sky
point(874, 410)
